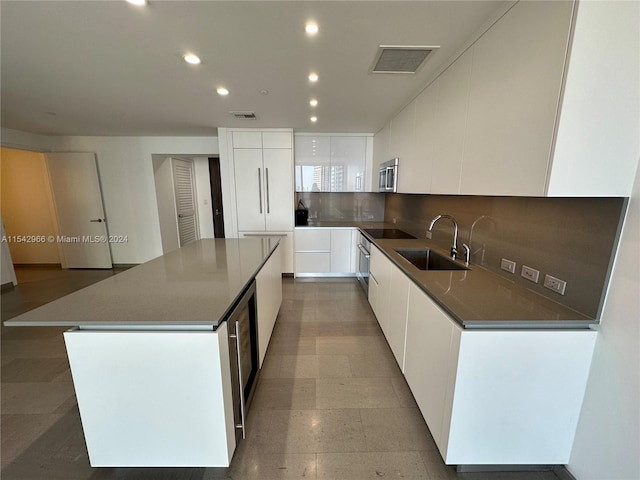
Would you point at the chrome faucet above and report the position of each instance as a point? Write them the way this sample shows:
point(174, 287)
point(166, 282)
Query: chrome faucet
point(454, 247)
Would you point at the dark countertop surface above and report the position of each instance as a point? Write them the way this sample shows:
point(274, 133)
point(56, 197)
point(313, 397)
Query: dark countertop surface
point(475, 298)
point(195, 285)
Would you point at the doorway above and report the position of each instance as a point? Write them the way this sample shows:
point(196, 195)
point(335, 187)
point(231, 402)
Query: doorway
point(215, 182)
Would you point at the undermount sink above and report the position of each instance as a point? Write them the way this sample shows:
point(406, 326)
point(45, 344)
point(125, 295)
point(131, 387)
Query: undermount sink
point(427, 259)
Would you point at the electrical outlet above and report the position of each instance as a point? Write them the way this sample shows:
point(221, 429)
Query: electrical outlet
point(508, 265)
point(530, 273)
point(429, 235)
point(395, 220)
point(555, 284)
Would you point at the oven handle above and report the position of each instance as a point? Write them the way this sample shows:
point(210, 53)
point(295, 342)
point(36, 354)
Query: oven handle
point(242, 423)
point(364, 251)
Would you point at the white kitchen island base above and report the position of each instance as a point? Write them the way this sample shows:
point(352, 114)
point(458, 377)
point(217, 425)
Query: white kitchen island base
point(154, 398)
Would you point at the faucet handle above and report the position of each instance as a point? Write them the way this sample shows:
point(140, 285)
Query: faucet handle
point(467, 254)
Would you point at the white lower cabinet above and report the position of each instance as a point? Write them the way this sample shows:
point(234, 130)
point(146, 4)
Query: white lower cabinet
point(489, 397)
point(285, 247)
point(380, 268)
point(325, 251)
point(268, 299)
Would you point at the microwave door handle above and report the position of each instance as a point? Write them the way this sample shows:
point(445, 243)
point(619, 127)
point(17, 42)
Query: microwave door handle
point(242, 423)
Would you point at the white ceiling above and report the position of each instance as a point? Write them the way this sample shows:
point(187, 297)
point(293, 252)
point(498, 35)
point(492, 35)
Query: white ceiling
point(109, 68)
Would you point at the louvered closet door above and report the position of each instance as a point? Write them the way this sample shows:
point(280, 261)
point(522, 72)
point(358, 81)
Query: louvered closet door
point(185, 201)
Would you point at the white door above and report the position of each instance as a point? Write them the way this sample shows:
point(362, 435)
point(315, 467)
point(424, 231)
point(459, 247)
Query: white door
point(278, 188)
point(250, 197)
point(185, 201)
point(78, 202)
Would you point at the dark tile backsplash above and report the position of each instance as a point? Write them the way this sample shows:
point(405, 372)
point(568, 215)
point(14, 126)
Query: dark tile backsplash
point(569, 238)
point(343, 207)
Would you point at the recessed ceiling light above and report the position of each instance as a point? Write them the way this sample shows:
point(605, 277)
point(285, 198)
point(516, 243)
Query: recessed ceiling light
point(264, 91)
point(137, 3)
point(311, 28)
point(314, 119)
point(313, 141)
point(222, 91)
point(313, 77)
point(313, 102)
point(191, 58)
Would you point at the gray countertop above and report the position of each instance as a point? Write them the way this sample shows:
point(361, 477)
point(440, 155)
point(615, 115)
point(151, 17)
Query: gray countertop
point(476, 298)
point(195, 285)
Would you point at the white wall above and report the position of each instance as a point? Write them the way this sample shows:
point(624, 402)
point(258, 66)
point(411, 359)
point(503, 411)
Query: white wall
point(128, 187)
point(607, 443)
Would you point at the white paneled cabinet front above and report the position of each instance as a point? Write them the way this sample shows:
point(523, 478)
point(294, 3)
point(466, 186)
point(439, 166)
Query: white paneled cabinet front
point(263, 172)
point(427, 361)
point(380, 268)
point(397, 314)
point(249, 172)
point(269, 299)
point(325, 251)
point(264, 189)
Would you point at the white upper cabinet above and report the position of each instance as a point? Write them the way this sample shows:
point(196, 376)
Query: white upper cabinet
point(450, 122)
point(380, 153)
point(328, 163)
point(263, 181)
point(518, 114)
point(402, 145)
point(515, 88)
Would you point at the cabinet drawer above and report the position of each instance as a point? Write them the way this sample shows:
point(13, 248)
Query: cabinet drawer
point(313, 240)
point(313, 262)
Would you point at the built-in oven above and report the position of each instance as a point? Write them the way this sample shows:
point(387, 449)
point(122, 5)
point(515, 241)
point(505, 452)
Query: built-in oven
point(364, 249)
point(388, 176)
point(243, 355)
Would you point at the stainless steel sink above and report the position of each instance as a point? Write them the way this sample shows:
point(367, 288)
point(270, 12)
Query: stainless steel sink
point(426, 259)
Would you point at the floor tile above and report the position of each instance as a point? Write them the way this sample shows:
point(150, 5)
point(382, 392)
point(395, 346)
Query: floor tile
point(292, 346)
point(22, 370)
point(312, 431)
point(20, 430)
point(34, 397)
point(395, 429)
point(351, 345)
point(355, 393)
point(273, 467)
point(374, 465)
point(374, 365)
point(285, 393)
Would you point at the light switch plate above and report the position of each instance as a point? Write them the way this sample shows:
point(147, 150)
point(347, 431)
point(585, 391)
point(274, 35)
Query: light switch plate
point(508, 265)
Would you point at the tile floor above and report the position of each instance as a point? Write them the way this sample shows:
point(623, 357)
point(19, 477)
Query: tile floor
point(330, 403)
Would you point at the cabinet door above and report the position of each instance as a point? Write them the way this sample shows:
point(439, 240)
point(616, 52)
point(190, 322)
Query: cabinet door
point(249, 174)
point(513, 99)
point(250, 139)
point(416, 174)
point(277, 140)
point(348, 164)
point(341, 251)
point(451, 118)
point(398, 304)
point(427, 359)
point(373, 293)
point(402, 145)
point(278, 188)
point(313, 159)
point(313, 262)
point(380, 267)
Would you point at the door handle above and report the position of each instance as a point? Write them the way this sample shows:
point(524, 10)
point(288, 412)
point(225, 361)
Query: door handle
point(266, 176)
point(97, 220)
point(236, 336)
point(217, 211)
point(260, 189)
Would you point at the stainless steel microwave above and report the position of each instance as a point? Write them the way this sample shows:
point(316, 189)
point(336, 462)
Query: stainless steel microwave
point(388, 179)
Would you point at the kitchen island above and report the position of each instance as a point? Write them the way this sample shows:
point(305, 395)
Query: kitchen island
point(150, 354)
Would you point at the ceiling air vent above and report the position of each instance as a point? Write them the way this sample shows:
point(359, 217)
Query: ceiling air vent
point(400, 58)
point(244, 115)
